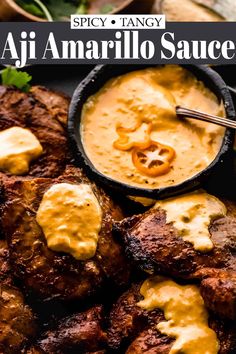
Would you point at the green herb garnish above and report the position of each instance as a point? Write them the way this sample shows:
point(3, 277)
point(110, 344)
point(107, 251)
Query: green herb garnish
point(28, 6)
point(36, 8)
point(13, 77)
point(61, 9)
point(106, 9)
point(82, 8)
point(57, 10)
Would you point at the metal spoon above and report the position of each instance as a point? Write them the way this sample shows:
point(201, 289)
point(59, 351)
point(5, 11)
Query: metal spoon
point(191, 113)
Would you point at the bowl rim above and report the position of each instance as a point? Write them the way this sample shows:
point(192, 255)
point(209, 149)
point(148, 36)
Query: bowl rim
point(75, 141)
point(121, 7)
point(17, 8)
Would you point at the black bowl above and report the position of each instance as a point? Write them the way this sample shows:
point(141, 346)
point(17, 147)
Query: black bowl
point(96, 79)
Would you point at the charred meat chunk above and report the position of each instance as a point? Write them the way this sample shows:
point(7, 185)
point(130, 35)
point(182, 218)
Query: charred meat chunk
point(155, 246)
point(5, 269)
point(44, 113)
point(56, 275)
point(17, 322)
point(133, 330)
point(79, 333)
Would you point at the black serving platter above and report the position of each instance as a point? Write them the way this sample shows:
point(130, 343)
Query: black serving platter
point(64, 78)
point(213, 175)
point(67, 77)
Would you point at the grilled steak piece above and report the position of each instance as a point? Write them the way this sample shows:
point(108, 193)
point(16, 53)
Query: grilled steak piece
point(132, 330)
point(17, 323)
point(154, 245)
point(53, 274)
point(79, 333)
point(218, 288)
point(150, 341)
point(128, 321)
point(44, 113)
point(56, 103)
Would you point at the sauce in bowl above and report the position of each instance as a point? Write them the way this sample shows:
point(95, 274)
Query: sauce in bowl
point(131, 134)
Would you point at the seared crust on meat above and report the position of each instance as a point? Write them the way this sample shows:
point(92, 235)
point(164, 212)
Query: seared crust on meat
point(44, 113)
point(225, 331)
point(17, 324)
point(219, 291)
point(156, 247)
point(52, 274)
point(79, 333)
point(39, 351)
point(128, 321)
point(150, 341)
point(134, 328)
point(5, 270)
point(56, 102)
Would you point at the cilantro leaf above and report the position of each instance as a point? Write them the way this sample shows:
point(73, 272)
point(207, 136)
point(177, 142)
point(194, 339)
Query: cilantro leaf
point(36, 8)
point(19, 79)
point(30, 7)
point(57, 10)
point(61, 9)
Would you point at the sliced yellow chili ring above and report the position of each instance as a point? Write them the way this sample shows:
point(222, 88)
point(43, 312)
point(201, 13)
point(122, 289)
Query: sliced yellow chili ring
point(123, 143)
point(154, 160)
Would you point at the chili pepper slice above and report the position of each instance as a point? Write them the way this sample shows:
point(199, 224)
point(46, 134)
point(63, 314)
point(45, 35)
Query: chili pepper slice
point(123, 143)
point(154, 160)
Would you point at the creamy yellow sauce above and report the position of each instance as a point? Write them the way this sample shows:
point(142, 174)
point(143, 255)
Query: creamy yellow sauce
point(18, 147)
point(191, 214)
point(185, 314)
point(147, 202)
point(139, 106)
point(71, 217)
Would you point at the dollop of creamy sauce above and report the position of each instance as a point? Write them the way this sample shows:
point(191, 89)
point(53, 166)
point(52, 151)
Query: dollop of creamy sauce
point(18, 147)
point(131, 133)
point(71, 218)
point(146, 202)
point(191, 214)
point(185, 314)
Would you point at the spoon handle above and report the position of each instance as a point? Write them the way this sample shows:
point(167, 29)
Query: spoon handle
point(191, 113)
